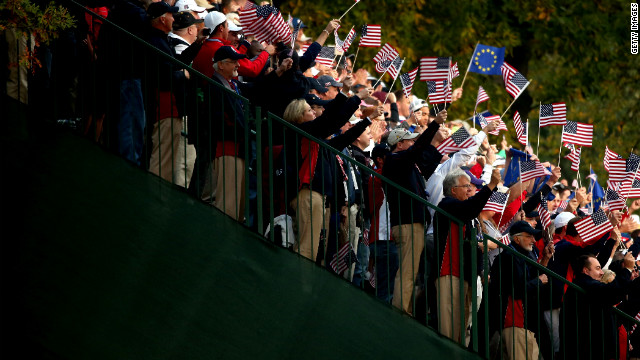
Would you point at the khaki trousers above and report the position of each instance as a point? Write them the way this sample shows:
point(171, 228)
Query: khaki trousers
point(519, 343)
point(166, 143)
point(230, 186)
point(449, 306)
point(309, 208)
point(409, 239)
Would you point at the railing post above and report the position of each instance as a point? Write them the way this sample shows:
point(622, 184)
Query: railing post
point(259, 192)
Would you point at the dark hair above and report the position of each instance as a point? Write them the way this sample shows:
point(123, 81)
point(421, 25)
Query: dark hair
point(581, 263)
point(571, 228)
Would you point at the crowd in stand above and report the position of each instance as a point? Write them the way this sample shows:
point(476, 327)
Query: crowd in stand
point(345, 218)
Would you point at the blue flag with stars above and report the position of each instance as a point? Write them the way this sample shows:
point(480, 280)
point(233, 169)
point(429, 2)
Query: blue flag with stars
point(598, 193)
point(487, 60)
point(511, 173)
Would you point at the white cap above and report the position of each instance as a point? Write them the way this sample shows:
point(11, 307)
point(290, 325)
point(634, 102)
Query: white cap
point(354, 120)
point(233, 26)
point(190, 5)
point(562, 219)
point(398, 134)
point(213, 19)
point(418, 104)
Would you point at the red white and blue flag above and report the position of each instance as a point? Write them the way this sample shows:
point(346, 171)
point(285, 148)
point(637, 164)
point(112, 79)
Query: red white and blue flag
point(593, 226)
point(553, 114)
point(434, 68)
point(394, 68)
point(514, 82)
point(482, 96)
point(521, 129)
point(265, 23)
point(407, 80)
point(384, 57)
point(615, 200)
point(371, 36)
point(497, 202)
point(574, 156)
point(457, 141)
point(531, 169)
point(577, 133)
point(439, 91)
point(326, 56)
point(543, 212)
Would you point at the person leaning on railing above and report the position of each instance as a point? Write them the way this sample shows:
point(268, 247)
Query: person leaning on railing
point(410, 163)
point(307, 181)
point(587, 321)
point(447, 232)
point(513, 293)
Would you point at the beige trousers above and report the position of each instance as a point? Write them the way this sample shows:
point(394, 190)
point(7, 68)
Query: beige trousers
point(166, 142)
point(519, 344)
point(309, 208)
point(449, 306)
point(230, 186)
point(409, 239)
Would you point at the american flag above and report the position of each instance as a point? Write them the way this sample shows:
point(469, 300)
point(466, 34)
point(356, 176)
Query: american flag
point(326, 56)
point(343, 259)
point(339, 43)
point(632, 166)
point(264, 22)
point(485, 118)
point(482, 96)
point(574, 156)
point(593, 226)
point(553, 114)
point(407, 80)
point(563, 206)
point(630, 189)
point(505, 239)
point(372, 279)
point(304, 48)
point(371, 36)
point(531, 170)
point(577, 133)
point(434, 68)
point(543, 212)
point(610, 155)
point(453, 71)
point(457, 141)
point(615, 201)
point(439, 91)
point(394, 68)
point(514, 82)
point(615, 185)
point(521, 129)
point(348, 40)
point(497, 201)
point(384, 57)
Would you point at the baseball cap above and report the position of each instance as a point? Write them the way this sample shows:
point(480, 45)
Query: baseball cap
point(418, 104)
point(233, 26)
point(562, 219)
point(205, 4)
point(524, 227)
point(398, 134)
point(189, 5)
point(227, 52)
point(380, 150)
point(532, 214)
point(213, 19)
point(317, 86)
point(474, 180)
point(313, 99)
point(155, 10)
point(328, 80)
point(296, 22)
point(183, 20)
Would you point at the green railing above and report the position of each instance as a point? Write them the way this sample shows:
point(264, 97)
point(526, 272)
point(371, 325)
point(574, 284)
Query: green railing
point(265, 185)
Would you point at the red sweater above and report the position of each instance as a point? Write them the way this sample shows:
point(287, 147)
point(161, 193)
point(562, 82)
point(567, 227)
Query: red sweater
point(204, 60)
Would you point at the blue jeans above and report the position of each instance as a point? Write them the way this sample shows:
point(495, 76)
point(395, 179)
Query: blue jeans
point(362, 265)
point(132, 121)
point(386, 255)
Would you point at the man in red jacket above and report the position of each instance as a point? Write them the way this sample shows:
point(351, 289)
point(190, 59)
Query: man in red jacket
point(218, 23)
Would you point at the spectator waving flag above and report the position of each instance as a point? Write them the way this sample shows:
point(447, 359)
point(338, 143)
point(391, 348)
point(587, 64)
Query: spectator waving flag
point(339, 261)
point(553, 114)
point(617, 167)
point(487, 60)
point(326, 56)
point(521, 129)
point(434, 68)
point(497, 201)
point(407, 80)
point(514, 82)
point(453, 71)
point(371, 36)
point(593, 226)
point(482, 96)
point(577, 133)
point(574, 156)
point(630, 188)
point(615, 201)
point(543, 212)
point(264, 22)
point(439, 91)
point(457, 141)
point(394, 68)
point(384, 57)
point(530, 170)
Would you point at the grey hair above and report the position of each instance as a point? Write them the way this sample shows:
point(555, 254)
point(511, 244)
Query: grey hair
point(451, 180)
point(215, 67)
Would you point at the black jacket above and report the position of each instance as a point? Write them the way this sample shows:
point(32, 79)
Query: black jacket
point(410, 169)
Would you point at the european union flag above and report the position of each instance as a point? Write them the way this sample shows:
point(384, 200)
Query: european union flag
point(597, 193)
point(487, 60)
point(512, 173)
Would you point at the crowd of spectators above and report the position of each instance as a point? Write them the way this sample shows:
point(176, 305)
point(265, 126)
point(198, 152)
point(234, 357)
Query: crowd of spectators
point(191, 131)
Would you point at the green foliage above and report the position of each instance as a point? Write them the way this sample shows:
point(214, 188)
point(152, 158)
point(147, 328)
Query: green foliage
point(573, 52)
point(30, 19)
